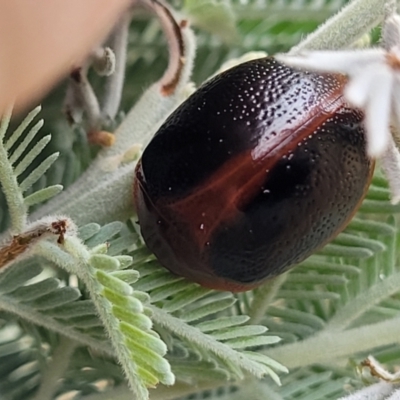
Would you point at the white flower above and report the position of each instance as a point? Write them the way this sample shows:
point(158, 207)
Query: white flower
point(374, 87)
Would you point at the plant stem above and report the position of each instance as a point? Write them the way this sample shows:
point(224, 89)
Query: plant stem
point(343, 29)
point(55, 369)
point(262, 299)
point(97, 197)
point(331, 345)
point(114, 84)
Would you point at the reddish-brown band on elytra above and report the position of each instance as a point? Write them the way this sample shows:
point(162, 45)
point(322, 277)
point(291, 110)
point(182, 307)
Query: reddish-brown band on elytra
point(255, 171)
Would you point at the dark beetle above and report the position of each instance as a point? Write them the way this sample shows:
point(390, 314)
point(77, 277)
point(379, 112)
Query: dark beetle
point(255, 171)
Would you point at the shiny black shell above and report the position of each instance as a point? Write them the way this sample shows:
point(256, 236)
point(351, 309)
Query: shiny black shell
point(261, 166)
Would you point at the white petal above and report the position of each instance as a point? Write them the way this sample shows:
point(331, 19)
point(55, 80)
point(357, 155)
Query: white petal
point(377, 113)
point(357, 89)
point(396, 104)
point(390, 163)
point(346, 62)
point(395, 395)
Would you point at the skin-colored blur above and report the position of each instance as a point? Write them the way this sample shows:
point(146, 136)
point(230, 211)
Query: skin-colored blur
point(41, 40)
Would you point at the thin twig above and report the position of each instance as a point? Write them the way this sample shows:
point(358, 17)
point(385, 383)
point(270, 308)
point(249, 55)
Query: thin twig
point(85, 96)
point(173, 32)
point(118, 42)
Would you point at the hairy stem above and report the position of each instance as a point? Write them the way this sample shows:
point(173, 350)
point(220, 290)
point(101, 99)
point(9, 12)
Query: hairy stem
point(330, 345)
point(80, 255)
point(340, 31)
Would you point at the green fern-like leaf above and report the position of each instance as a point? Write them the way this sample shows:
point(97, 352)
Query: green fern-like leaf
point(28, 291)
point(223, 342)
point(17, 154)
